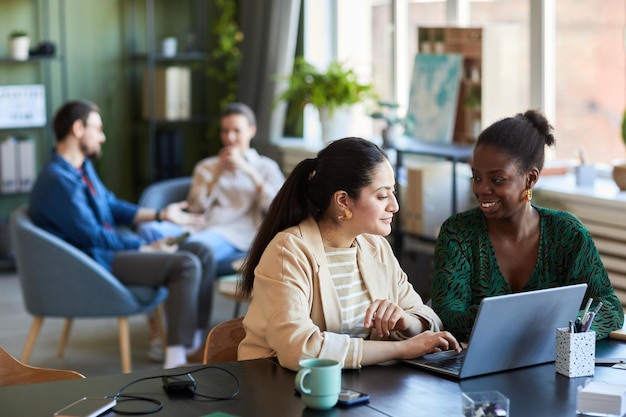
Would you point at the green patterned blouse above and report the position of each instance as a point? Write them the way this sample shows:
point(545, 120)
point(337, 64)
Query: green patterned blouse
point(466, 269)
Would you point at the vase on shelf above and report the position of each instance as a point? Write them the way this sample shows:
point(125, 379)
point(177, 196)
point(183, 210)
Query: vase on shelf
point(169, 46)
point(390, 133)
point(19, 47)
point(336, 123)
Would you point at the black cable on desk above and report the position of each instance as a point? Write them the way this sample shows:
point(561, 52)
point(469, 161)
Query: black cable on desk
point(120, 397)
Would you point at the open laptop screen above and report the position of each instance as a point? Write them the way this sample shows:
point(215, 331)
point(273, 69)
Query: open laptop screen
point(516, 330)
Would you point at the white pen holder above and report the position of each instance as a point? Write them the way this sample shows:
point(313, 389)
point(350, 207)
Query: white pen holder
point(575, 353)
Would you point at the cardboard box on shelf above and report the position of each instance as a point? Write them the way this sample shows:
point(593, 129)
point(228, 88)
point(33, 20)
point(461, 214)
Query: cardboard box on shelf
point(426, 200)
point(171, 93)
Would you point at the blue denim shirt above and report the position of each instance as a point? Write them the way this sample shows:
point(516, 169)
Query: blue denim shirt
point(62, 203)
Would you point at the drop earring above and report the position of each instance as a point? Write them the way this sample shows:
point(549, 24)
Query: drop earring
point(347, 215)
point(528, 194)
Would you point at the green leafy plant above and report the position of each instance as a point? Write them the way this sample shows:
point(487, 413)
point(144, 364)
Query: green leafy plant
point(225, 58)
point(17, 34)
point(394, 124)
point(473, 98)
point(222, 65)
point(332, 88)
point(388, 111)
point(438, 35)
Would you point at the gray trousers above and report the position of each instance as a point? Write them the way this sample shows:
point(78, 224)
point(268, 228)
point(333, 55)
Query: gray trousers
point(188, 274)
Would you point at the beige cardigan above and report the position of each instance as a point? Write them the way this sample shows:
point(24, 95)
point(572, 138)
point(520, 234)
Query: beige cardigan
point(295, 312)
point(232, 205)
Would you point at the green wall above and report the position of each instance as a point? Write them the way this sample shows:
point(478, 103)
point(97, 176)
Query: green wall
point(99, 68)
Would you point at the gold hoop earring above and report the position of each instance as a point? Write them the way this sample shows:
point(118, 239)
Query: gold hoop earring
point(528, 194)
point(347, 215)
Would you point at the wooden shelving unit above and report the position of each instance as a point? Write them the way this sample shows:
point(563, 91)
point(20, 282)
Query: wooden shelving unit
point(49, 71)
point(164, 139)
point(492, 69)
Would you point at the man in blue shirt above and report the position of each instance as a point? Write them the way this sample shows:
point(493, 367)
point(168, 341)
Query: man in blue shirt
point(69, 200)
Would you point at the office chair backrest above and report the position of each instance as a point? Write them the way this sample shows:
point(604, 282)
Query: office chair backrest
point(223, 340)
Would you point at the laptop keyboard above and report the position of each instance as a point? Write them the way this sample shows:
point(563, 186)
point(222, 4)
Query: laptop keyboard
point(452, 364)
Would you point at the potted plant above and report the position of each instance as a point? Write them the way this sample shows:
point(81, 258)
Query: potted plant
point(19, 44)
point(394, 125)
point(619, 167)
point(439, 43)
point(224, 61)
point(333, 92)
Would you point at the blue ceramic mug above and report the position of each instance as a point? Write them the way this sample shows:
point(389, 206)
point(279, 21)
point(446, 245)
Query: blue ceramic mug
point(319, 382)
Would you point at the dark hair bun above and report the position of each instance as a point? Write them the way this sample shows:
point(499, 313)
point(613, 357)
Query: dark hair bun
point(539, 121)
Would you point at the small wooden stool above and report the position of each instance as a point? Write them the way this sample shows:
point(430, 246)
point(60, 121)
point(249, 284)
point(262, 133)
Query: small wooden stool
point(227, 286)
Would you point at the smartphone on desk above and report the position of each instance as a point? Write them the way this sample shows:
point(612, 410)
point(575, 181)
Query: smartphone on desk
point(348, 397)
point(178, 239)
point(86, 407)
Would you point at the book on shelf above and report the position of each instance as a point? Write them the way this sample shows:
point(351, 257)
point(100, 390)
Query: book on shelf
point(8, 165)
point(17, 165)
point(26, 169)
point(171, 93)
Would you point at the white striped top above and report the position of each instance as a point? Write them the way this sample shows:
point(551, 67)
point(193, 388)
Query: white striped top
point(354, 297)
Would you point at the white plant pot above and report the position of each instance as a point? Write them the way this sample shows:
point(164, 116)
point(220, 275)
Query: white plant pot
point(18, 48)
point(338, 124)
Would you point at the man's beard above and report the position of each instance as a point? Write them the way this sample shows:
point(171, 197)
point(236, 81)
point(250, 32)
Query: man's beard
point(93, 155)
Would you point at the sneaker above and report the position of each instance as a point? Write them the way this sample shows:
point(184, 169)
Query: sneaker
point(175, 357)
point(155, 350)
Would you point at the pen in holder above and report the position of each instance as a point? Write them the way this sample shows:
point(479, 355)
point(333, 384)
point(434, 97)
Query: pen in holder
point(575, 352)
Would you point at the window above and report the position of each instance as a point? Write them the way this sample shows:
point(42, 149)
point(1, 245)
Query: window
point(337, 30)
point(589, 85)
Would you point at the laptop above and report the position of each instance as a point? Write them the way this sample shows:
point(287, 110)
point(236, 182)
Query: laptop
point(510, 331)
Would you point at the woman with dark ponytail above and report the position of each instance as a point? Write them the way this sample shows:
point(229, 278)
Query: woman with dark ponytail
point(326, 283)
point(508, 244)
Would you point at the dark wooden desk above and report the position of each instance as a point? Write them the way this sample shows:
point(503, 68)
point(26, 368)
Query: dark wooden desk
point(267, 390)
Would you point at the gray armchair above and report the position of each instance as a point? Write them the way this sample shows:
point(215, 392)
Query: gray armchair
point(162, 193)
point(59, 280)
